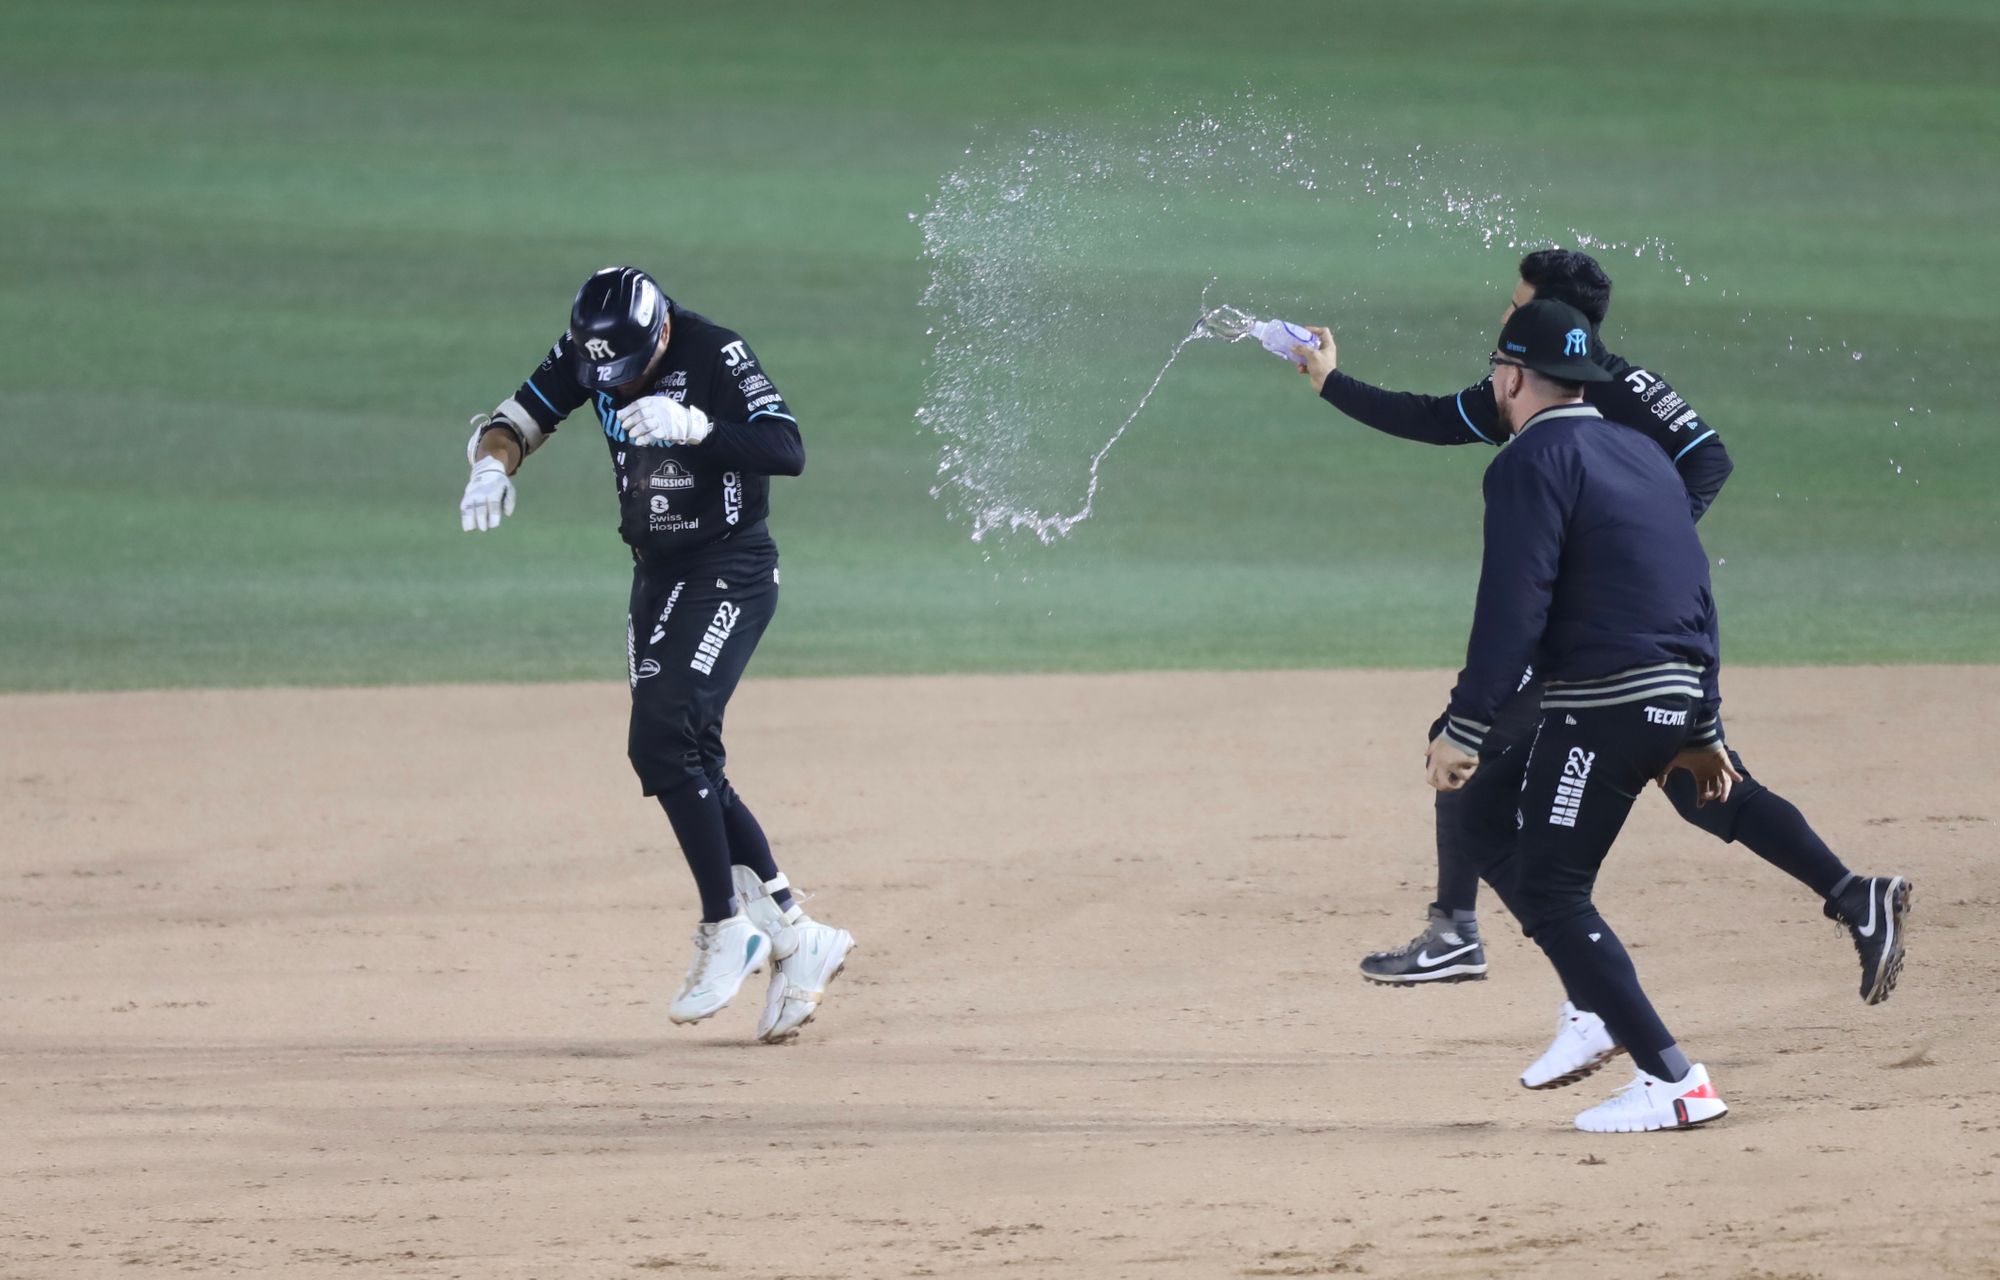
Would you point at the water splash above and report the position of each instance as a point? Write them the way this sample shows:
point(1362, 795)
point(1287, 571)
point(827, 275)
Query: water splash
point(1059, 262)
point(1048, 528)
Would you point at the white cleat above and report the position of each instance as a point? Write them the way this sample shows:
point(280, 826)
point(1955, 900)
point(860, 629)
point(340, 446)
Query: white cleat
point(1649, 1103)
point(1582, 1044)
point(725, 953)
point(808, 955)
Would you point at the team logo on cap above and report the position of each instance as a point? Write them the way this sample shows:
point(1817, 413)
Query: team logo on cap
point(1576, 343)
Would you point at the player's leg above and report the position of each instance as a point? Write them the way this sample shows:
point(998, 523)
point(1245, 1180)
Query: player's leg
point(675, 623)
point(807, 954)
point(1770, 826)
point(1588, 765)
point(1489, 813)
point(749, 848)
point(1449, 949)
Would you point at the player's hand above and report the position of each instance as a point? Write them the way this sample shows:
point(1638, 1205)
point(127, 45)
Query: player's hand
point(663, 420)
point(1713, 771)
point(1317, 362)
point(489, 495)
point(1450, 765)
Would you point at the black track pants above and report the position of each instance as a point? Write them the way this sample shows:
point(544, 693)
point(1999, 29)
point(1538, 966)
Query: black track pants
point(1584, 769)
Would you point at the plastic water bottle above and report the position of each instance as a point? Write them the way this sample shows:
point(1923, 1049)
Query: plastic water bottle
point(1280, 336)
point(1276, 336)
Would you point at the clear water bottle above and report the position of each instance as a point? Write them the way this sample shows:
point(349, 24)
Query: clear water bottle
point(1276, 336)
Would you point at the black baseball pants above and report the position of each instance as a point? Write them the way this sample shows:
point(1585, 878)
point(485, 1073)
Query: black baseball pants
point(692, 627)
point(693, 624)
point(1582, 771)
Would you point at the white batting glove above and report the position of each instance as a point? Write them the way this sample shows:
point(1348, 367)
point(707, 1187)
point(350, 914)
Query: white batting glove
point(663, 420)
point(488, 496)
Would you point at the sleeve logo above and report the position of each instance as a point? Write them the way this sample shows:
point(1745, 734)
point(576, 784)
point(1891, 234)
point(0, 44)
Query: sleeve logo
point(735, 354)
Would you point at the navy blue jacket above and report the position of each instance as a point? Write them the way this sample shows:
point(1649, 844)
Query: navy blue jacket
point(1593, 575)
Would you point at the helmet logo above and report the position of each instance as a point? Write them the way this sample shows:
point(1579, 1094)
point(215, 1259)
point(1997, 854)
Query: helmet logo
point(1576, 343)
point(598, 348)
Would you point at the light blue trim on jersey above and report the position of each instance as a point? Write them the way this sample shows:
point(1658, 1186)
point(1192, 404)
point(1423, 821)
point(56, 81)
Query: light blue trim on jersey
point(544, 399)
point(1692, 443)
point(607, 416)
point(1459, 400)
point(772, 413)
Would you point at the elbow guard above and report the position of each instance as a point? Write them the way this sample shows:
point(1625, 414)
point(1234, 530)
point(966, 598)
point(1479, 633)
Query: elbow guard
point(508, 415)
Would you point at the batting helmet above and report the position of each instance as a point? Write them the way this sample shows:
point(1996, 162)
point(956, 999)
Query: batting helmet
point(613, 326)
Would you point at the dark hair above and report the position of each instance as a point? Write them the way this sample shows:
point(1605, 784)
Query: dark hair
point(1572, 277)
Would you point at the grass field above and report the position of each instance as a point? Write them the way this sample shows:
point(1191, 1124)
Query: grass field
point(261, 261)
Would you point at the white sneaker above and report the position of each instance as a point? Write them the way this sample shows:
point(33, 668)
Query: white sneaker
point(1650, 1103)
point(809, 955)
point(1582, 1044)
point(725, 953)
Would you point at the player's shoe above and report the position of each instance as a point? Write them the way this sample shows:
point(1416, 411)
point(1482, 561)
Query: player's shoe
point(1872, 908)
point(1582, 1044)
point(809, 955)
point(1650, 1103)
point(1446, 951)
point(725, 953)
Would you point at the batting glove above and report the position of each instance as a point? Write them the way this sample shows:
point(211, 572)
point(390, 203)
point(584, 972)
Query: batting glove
point(489, 495)
point(663, 420)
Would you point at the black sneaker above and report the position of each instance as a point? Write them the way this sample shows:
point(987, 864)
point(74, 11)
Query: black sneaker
point(1872, 908)
point(1443, 952)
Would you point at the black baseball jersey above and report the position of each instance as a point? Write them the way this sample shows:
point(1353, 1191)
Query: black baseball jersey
point(1636, 397)
point(676, 499)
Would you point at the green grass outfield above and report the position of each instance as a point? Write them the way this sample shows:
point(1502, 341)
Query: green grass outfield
point(259, 262)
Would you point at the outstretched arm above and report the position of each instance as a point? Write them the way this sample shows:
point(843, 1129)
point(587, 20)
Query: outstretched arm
point(1466, 418)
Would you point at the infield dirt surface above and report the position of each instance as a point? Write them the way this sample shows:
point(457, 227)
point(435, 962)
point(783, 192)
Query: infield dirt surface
point(373, 982)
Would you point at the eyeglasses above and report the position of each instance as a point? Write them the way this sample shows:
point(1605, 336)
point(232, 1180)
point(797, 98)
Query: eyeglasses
point(1497, 361)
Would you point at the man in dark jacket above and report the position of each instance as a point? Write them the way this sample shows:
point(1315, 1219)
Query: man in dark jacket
point(1594, 576)
point(1449, 949)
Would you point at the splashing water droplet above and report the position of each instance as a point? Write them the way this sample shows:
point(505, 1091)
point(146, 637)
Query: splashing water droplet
point(1050, 292)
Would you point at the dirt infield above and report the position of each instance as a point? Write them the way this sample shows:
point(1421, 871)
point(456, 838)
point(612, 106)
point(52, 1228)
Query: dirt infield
point(285, 993)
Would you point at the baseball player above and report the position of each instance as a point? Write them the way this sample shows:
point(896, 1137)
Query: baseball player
point(695, 430)
point(1450, 949)
point(1592, 572)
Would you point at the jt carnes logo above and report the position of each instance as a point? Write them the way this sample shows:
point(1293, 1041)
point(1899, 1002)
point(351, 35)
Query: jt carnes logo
point(735, 354)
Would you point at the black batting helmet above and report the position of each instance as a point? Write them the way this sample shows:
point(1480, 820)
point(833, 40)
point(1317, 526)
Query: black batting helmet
point(613, 326)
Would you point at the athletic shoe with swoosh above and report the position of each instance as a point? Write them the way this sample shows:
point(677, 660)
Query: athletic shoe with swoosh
point(1446, 951)
point(1873, 908)
point(725, 953)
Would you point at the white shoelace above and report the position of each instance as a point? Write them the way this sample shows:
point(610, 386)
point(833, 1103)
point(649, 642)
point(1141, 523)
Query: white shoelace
point(1637, 1088)
point(704, 956)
